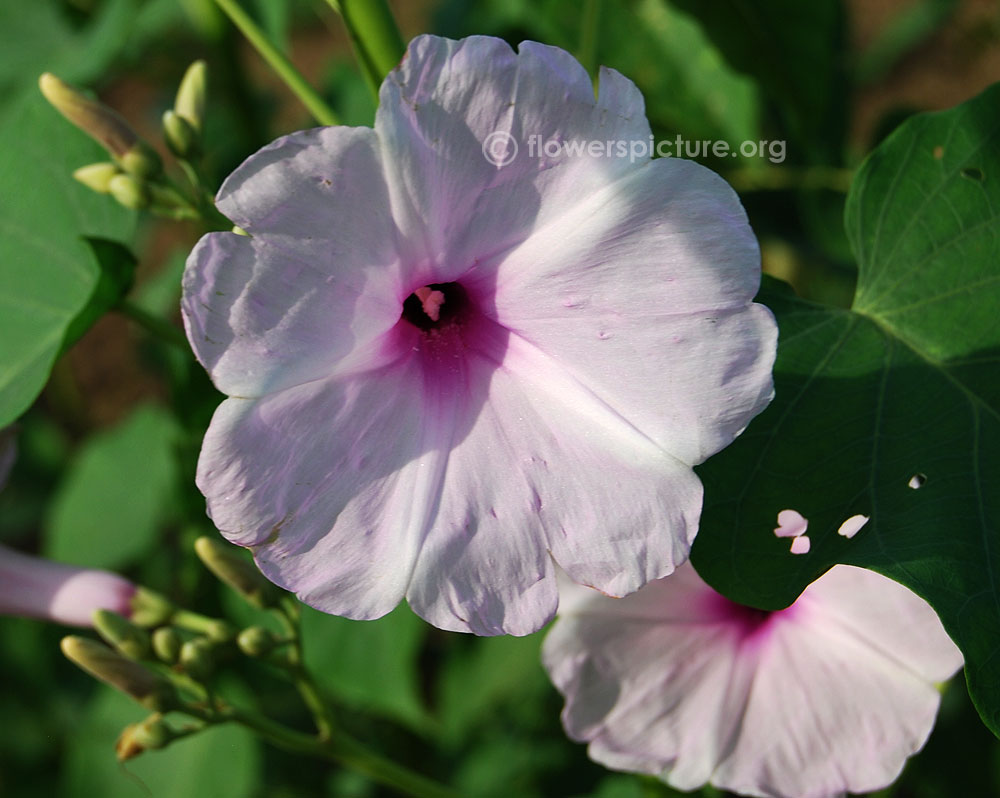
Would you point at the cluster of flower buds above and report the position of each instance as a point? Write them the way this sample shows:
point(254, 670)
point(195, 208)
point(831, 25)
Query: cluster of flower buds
point(134, 176)
point(165, 657)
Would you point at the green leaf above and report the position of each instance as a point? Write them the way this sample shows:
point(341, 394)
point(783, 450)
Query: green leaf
point(795, 52)
point(39, 37)
point(506, 671)
point(370, 665)
point(117, 493)
point(688, 86)
point(216, 763)
point(906, 382)
point(47, 272)
point(117, 271)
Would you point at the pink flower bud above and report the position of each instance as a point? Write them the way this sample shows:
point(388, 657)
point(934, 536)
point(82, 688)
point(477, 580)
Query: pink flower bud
point(38, 588)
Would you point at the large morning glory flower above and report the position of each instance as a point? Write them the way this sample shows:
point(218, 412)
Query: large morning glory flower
point(828, 696)
point(449, 365)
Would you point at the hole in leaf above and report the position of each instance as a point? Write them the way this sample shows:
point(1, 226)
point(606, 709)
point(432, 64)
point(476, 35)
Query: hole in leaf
point(790, 524)
point(917, 481)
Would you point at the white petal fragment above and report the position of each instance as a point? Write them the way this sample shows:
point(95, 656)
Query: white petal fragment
point(853, 525)
point(791, 523)
point(800, 545)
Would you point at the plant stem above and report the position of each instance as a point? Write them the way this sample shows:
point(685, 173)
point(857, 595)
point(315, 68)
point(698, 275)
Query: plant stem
point(378, 45)
point(783, 178)
point(279, 63)
point(156, 326)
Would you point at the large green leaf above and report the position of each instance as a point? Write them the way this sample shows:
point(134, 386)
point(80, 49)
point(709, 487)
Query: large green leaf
point(905, 383)
point(795, 51)
point(219, 762)
point(119, 490)
point(47, 271)
point(370, 665)
point(39, 37)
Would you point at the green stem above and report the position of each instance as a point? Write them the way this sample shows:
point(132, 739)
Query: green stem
point(784, 178)
point(338, 748)
point(378, 45)
point(279, 63)
point(155, 325)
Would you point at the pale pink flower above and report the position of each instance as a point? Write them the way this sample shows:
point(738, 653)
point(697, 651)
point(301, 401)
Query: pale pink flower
point(36, 588)
point(444, 373)
point(828, 696)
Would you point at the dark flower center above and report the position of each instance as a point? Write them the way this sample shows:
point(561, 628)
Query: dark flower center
point(435, 306)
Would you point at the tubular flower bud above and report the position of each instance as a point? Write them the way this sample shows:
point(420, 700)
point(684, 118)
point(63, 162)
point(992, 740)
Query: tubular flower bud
point(37, 588)
point(105, 125)
point(241, 576)
point(123, 674)
point(180, 135)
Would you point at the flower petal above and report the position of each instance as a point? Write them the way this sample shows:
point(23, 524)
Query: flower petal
point(544, 464)
point(645, 289)
point(436, 113)
point(651, 679)
point(335, 511)
point(841, 696)
point(319, 277)
point(828, 696)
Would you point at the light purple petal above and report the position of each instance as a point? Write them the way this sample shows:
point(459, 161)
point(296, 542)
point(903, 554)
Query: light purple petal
point(826, 697)
point(37, 588)
point(437, 110)
point(319, 279)
point(335, 511)
point(612, 508)
point(367, 453)
point(645, 290)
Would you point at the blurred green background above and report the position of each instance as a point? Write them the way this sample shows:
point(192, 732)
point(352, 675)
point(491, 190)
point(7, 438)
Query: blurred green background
point(107, 453)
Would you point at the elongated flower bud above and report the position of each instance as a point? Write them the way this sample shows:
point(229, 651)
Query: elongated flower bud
point(125, 636)
point(105, 125)
point(37, 588)
point(149, 608)
point(121, 673)
point(190, 102)
point(223, 561)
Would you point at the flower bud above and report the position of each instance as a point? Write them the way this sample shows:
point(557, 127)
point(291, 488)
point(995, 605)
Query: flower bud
point(198, 659)
point(149, 735)
point(123, 674)
point(167, 644)
point(129, 192)
point(37, 588)
point(190, 101)
point(121, 633)
point(180, 135)
point(97, 176)
point(256, 641)
point(149, 608)
point(241, 576)
point(105, 125)
point(141, 161)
